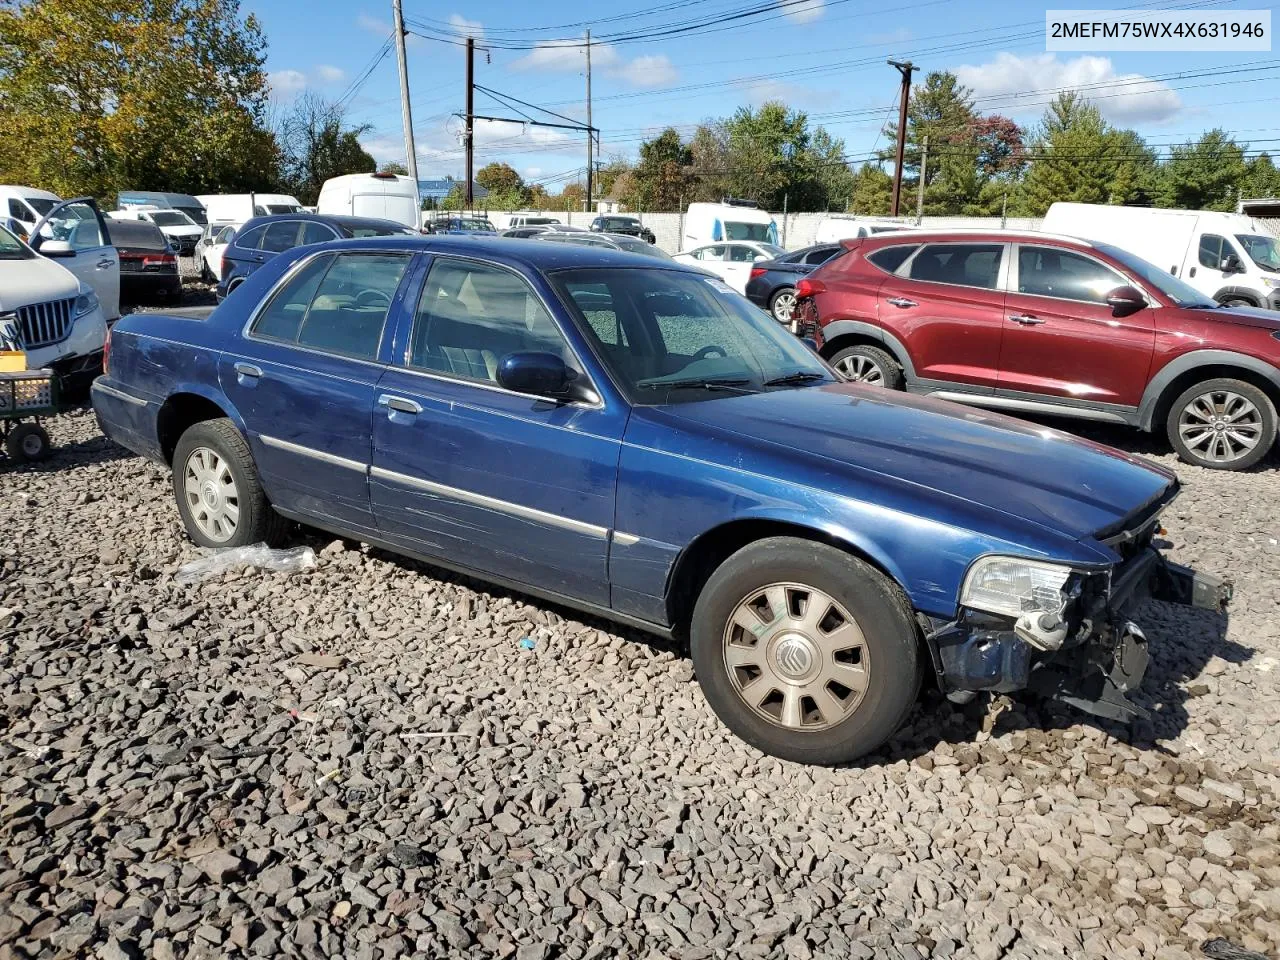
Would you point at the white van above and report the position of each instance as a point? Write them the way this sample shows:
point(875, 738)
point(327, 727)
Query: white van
point(833, 229)
point(178, 228)
point(732, 220)
point(239, 207)
point(184, 203)
point(22, 207)
point(1226, 256)
point(385, 196)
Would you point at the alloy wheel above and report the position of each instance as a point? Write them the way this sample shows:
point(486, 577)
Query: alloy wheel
point(211, 494)
point(796, 657)
point(1220, 426)
point(784, 305)
point(860, 369)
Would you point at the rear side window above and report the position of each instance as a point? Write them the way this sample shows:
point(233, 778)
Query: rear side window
point(335, 304)
point(281, 236)
point(961, 264)
point(820, 256)
point(313, 232)
point(250, 240)
point(890, 259)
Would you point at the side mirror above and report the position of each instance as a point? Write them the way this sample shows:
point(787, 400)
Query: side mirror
point(1231, 264)
point(56, 248)
point(1126, 300)
point(540, 374)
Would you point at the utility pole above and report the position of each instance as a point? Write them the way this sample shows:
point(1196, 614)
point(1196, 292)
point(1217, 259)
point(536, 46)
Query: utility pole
point(924, 163)
point(469, 135)
point(411, 156)
point(906, 69)
point(590, 165)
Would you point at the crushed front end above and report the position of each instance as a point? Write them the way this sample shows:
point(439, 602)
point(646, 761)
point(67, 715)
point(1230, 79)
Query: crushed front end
point(1062, 632)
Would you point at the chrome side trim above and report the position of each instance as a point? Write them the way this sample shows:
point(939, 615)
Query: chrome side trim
point(320, 455)
point(1028, 406)
point(625, 539)
point(118, 394)
point(491, 503)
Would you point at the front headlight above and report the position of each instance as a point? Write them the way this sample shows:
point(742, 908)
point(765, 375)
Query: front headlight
point(1012, 586)
point(85, 303)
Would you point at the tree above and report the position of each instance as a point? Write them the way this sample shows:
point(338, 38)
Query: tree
point(1205, 175)
point(102, 95)
point(1261, 178)
point(872, 191)
point(502, 179)
point(394, 166)
point(317, 145)
point(709, 171)
point(661, 177)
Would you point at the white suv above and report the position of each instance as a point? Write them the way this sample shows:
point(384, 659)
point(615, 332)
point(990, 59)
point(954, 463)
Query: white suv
point(48, 312)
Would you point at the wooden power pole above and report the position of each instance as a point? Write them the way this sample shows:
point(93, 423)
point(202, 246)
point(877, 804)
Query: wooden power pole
point(590, 165)
point(470, 134)
point(906, 69)
point(411, 155)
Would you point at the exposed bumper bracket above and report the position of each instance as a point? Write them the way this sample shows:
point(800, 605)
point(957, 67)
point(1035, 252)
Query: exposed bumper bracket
point(1174, 583)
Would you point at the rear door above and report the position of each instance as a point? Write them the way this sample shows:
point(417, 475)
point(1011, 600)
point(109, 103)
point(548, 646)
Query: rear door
point(89, 254)
point(304, 375)
point(1061, 338)
point(946, 304)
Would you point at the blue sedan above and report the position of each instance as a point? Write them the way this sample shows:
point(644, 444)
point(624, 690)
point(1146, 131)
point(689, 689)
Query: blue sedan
point(629, 437)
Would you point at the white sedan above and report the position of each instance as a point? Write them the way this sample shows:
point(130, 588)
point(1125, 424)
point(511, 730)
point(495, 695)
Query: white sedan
point(731, 260)
point(210, 249)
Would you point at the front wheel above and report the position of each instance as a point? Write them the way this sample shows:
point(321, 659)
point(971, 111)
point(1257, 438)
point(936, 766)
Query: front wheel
point(216, 484)
point(1222, 424)
point(804, 651)
point(869, 365)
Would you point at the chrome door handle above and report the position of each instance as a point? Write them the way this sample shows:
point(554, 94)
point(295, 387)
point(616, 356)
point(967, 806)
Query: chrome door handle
point(1026, 319)
point(248, 370)
point(106, 264)
point(903, 302)
point(399, 404)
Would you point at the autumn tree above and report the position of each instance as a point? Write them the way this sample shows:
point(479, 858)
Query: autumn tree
point(318, 144)
point(500, 179)
point(102, 95)
point(661, 176)
point(395, 167)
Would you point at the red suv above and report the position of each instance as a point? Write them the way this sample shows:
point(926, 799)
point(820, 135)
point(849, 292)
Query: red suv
point(1037, 323)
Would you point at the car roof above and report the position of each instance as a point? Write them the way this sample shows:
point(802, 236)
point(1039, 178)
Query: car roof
point(332, 219)
point(537, 257)
point(977, 234)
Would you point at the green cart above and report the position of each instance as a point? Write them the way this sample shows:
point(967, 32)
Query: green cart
point(25, 397)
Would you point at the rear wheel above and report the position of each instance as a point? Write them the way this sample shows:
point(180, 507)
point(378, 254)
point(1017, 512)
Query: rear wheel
point(869, 365)
point(783, 304)
point(28, 443)
point(215, 481)
point(1236, 302)
point(1222, 424)
point(805, 651)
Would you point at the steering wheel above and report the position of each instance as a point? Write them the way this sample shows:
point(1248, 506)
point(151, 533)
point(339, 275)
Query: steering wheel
point(371, 298)
point(709, 350)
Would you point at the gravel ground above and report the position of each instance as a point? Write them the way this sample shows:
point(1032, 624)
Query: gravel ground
point(373, 758)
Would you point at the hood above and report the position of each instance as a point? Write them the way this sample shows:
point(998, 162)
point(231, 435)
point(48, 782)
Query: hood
point(1243, 316)
point(34, 281)
point(1067, 485)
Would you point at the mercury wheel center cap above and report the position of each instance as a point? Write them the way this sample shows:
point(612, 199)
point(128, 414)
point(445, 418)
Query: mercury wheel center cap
point(209, 494)
point(794, 656)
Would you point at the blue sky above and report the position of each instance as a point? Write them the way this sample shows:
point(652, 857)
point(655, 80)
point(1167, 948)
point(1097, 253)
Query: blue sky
point(824, 56)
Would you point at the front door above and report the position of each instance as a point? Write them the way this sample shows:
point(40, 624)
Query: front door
point(946, 303)
point(304, 379)
point(76, 235)
point(476, 475)
point(1061, 338)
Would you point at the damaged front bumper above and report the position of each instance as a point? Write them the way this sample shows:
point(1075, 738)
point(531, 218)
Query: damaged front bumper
point(1102, 655)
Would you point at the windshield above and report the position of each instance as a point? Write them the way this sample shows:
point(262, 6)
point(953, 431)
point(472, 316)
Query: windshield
point(772, 249)
point(11, 248)
point(474, 226)
point(1261, 250)
point(748, 231)
point(673, 337)
point(619, 223)
point(1182, 294)
point(640, 247)
point(171, 218)
point(197, 214)
point(283, 208)
point(376, 231)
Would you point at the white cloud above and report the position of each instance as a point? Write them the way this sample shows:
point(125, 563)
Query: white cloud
point(533, 171)
point(287, 83)
point(373, 24)
point(655, 70)
point(328, 74)
point(803, 11)
point(466, 28)
point(1123, 98)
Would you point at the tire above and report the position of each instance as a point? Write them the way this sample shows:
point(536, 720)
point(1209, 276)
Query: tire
point(225, 505)
point(1230, 413)
point(28, 443)
point(786, 720)
point(783, 304)
point(1238, 302)
point(869, 365)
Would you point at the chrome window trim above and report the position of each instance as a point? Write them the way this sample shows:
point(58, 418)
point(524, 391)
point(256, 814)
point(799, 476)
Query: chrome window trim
point(1014, 273)
point(1002, 274)
point(246, 332)
point(492, 503)
point(406, 366)
point(322, 456)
